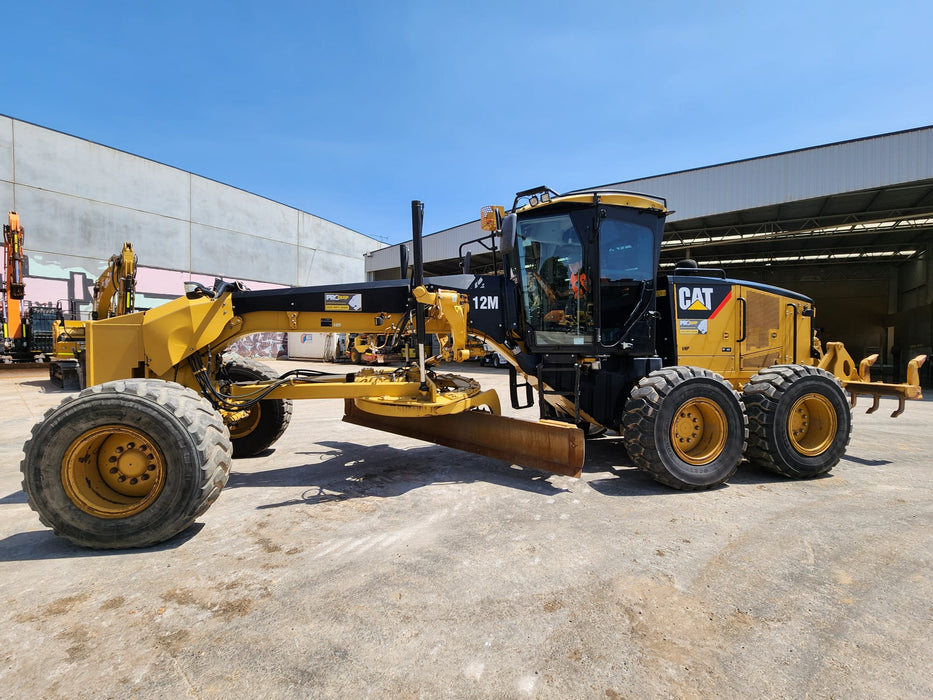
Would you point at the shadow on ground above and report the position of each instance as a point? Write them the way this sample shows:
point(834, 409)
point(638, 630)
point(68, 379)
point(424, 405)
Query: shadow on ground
point(348, 470)
point(44, 544)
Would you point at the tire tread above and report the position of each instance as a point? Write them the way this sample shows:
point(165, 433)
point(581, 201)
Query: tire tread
point(761, 396)
point(643, 406)
point(210, 439)
point(243, 447)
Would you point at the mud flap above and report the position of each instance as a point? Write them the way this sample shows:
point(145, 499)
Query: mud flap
point(550, 446)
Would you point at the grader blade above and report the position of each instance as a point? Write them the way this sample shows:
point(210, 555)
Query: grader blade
point(549, 445)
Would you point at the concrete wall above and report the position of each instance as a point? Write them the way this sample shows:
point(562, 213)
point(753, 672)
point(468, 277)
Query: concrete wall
point(79, 201)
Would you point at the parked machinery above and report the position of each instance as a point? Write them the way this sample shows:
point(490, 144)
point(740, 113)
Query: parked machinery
point(115, 289)
point(114, 295)
point(27, 334)
point(374, 349)
point(14, 290)
point(694, 370)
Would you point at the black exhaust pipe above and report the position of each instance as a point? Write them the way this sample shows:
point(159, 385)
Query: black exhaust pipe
point(417, 280)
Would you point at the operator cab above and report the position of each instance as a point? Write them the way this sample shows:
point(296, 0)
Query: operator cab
point(585, 264)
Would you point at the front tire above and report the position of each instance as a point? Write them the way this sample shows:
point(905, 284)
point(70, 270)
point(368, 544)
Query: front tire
point(126, 464)
point(799, 420)
point(686, 427)
point(265, 421)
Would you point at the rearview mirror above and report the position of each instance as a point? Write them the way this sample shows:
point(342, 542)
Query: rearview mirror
point(509, 227)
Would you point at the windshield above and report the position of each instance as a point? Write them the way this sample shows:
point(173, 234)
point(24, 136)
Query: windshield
point(556, 291)
point(577, 291)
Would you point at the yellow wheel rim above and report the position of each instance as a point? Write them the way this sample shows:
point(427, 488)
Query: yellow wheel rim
point(698, 432)
point(113, 472)
point(247, 424)
point(812, 424)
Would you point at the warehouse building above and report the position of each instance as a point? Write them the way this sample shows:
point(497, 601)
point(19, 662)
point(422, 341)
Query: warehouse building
point(79, 201)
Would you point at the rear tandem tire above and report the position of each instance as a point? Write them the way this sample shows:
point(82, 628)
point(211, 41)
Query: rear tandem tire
point(126, 464)
point(799, 420)
point(267, 420)
point(686, 427)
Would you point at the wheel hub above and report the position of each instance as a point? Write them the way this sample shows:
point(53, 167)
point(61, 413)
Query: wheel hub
point(113, 472)
point(698, 431)
point(246, 423)
point(812, 425)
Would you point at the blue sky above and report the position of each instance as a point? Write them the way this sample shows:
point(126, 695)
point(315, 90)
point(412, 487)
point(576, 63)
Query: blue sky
point(349, 109)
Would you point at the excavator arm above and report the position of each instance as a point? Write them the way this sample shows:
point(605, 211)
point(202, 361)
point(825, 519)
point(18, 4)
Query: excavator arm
point(115, 289)
point(14, 288)
point(13, 263)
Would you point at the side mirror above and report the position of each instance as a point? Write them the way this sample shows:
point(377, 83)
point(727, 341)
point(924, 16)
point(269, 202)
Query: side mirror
point(509, 230)
point(467, 257)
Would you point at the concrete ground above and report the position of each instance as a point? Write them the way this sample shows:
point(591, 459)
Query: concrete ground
point(352, 563)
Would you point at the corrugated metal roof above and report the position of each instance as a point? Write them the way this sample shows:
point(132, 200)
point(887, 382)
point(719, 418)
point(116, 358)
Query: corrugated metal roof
point(442, 245)
point(848, 166)
point(878, 161)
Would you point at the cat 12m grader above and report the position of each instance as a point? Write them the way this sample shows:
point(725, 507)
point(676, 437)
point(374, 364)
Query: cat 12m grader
point(694, 371)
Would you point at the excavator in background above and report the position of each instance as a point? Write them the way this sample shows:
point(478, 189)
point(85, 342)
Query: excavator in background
point(14, 290)
point(114, 296)
point(26, 327)
point(115, 289)
point(695, 371)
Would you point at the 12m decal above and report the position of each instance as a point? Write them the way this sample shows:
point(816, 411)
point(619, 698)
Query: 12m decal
point(486, 303)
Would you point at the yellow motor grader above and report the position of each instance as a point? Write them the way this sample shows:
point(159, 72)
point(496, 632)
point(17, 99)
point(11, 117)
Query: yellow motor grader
point(694, 370)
